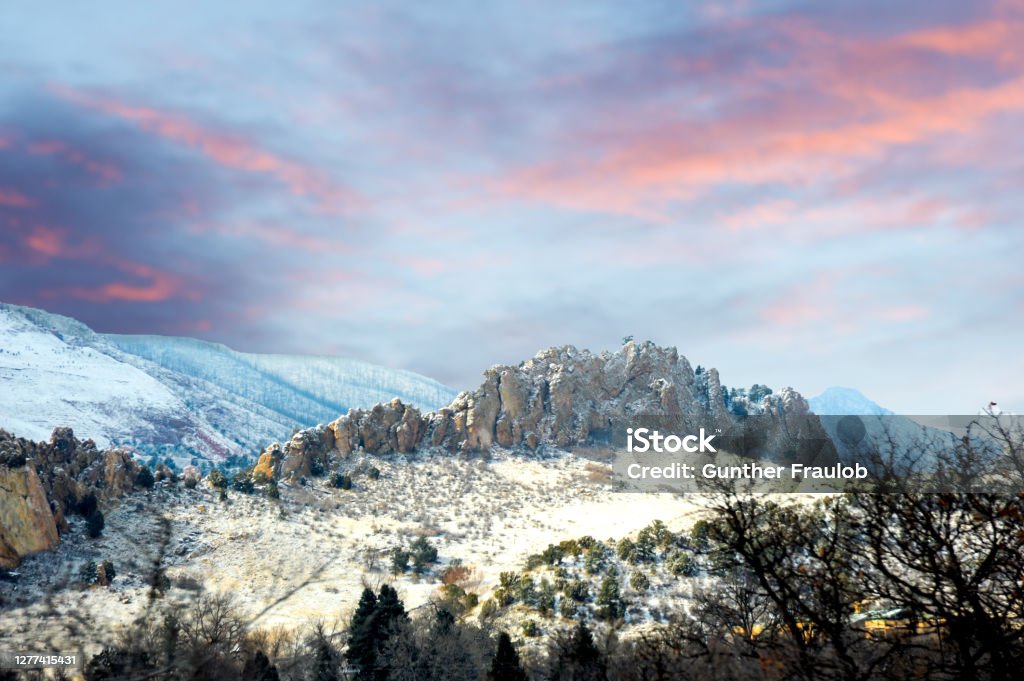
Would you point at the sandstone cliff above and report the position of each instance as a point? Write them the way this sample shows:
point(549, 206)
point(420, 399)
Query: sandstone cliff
point(27, 523)
point(567, 398)
point(41, 483)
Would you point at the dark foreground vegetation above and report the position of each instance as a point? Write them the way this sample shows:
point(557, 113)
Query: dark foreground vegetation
point(891, 583)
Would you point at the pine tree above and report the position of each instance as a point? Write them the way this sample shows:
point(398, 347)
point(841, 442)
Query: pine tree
point(758, 392)
point(242, 482)
point(444, 622)
point(259, 669)
point(95, 523)
point(399, 561)
point(362, 651)
point(423, 554)
point(639, 581)
point(272, 490)
point(87, 573)
point(86, 505)
point(609, 600)
point(579, 659)
point(506, 666)
point(376, 618)
point(144, 478)
point(217, 479)
point(390, 609)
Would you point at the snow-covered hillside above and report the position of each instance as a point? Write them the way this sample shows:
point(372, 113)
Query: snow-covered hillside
point(307, 390)
point(176, 395)
point(50, 375)
point(489, 515)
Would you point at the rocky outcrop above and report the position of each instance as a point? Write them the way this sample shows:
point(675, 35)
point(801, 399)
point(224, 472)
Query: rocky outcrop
point(566, 398)
point(306, 453)
point(27, 523)
point(42, 483)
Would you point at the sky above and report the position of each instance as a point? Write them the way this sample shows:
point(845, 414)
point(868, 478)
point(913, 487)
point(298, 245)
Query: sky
point(803, 194)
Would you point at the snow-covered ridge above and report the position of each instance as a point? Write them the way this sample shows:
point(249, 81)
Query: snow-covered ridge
point(176, 395)
point(305, 389)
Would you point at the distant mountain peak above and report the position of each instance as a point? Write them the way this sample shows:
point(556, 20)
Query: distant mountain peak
point(840, 401)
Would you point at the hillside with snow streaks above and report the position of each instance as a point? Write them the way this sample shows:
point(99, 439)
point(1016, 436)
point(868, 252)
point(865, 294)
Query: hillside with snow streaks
point(304, 389)
point(176, 396)
point(57, 372)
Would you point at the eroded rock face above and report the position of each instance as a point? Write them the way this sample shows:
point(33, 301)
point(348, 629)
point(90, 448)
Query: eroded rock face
point(27, 524)
point(41, 484)
point(306, 453)
point(268, 466)
point(566, 398)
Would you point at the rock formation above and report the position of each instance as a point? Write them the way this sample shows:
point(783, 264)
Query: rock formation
point(27, 523)
point(565, 398)
point(41, 483)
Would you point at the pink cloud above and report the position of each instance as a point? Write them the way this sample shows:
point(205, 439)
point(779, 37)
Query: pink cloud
point(836, 304)
point(105, 172)
point(14, 199)
point(156, 286)
point(639, 173)
point(45, 241)
point(228, 150)
point(837, 217)
point(999, 39)
point(150, 284)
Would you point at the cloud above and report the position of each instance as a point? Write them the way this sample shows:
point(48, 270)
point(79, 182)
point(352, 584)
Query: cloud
point(108, 248)
point(997, 39)
point(275, 234)
point(439, 190)
point(14, 199)
point(105, 172)
point(231, 150)
point(149, 285)
point(794, 104)
point(821, 220)
point(45, 242)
